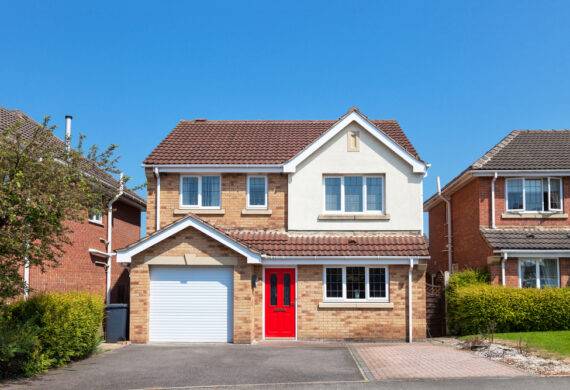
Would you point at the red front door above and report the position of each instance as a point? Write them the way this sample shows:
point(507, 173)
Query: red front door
point(280, 302)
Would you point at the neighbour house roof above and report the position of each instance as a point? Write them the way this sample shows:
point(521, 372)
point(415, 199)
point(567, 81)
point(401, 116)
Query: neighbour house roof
point(253, 142)
point(539, 239)
point(520, 150)
point(264, 243)
point(27, 127)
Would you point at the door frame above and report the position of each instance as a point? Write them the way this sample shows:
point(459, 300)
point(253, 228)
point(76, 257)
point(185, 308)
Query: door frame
point(263, 269)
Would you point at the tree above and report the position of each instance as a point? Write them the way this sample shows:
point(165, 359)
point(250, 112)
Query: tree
point(44, 184)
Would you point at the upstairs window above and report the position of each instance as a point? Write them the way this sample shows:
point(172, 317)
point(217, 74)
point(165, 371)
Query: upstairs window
point(95, 216)
point(257, 192)
point(200, 191)
point(354, 194)
point(534, 194)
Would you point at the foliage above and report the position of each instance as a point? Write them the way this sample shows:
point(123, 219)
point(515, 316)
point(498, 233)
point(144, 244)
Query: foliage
point(467, 277)
point(49, 330)
point(557, 342)
point(43, 184)
point(482, 308)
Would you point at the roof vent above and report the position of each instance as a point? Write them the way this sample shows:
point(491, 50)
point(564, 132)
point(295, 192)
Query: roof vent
point(530, 235)
point(200, 120)
point(352, 241)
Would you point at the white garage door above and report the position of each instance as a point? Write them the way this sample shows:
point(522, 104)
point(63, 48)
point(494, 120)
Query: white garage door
point(191, 304)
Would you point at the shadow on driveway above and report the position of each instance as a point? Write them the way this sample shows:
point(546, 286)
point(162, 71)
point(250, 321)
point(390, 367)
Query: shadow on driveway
point(144, 366)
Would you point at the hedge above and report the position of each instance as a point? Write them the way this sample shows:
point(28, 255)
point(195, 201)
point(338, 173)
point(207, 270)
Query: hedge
point(49, 330)
point(482, 309)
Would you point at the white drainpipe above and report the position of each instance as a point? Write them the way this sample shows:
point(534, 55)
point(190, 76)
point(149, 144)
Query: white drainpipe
point(449, 230)
point(157, 175)
point(410, 311)
point(503, 272)
point(493, 226)
point(110, 239)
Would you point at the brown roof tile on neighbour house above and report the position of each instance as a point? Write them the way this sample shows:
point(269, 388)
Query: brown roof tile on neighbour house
point(27, 127)
point(250, 141)
point(527, 238)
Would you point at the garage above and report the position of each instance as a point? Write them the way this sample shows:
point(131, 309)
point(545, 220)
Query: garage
point(191, 304)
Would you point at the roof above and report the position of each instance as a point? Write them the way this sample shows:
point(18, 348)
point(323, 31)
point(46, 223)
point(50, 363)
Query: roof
point(520, 150)
point(27, 128)
point(266, 243)
point(252, 142)
point(539, 239)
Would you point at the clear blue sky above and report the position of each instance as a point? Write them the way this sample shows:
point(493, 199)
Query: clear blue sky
point(458, 75)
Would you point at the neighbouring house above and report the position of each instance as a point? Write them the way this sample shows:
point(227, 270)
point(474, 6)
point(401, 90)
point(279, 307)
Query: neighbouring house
point(281, 229)
point(508, 213)
point(86, 265)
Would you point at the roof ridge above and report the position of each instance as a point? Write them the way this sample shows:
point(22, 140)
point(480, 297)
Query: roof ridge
point(494, 150)
point(206, 121)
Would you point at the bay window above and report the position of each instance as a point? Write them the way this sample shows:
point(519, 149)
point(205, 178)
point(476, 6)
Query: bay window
point(354, 194)
point(200, 191)
point(534, 194)
point(538, 273)
point(355, 283)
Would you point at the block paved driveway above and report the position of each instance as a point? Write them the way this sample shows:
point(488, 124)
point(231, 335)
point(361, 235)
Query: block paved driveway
point(306, 364)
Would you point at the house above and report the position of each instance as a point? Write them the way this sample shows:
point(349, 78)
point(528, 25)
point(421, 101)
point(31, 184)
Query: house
point(508, 213)
point(85, 265)
point(306, 229)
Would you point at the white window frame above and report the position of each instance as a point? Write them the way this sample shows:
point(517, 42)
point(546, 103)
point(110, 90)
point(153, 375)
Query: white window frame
point(364, 195)
point(199, 205)
point(98, 220)
point(263, 206)
point(537, 270)
point(366, 280)
point(523, 209)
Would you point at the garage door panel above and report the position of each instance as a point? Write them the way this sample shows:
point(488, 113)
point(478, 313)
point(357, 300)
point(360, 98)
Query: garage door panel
point(191, 304)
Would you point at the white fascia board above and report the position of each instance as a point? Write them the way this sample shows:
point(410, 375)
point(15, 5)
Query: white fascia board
point(417, 165)
point(341, 260)
point(125, 255)
point(506, 253)
point(217, 168)
point(523, 173)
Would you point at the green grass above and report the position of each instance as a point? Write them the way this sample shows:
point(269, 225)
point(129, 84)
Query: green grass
point(557, 342)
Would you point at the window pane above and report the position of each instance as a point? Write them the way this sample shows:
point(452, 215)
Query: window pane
point(514, 194)
point(555, 191)
point(533, 194)
point(355, 283)
point(374, 193)
point(210, 191)
point(273, 287)
point(548, 269)
point(286, 289)
point(377, 282)
point(353, 193)
point(257, 191)
point(528, 273)
point(334, 282)
point(190, 191)
point(332, 193)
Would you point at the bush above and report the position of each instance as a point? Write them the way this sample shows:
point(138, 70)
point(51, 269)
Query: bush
point(49, 330)
point(467, 278)
point(482, 308)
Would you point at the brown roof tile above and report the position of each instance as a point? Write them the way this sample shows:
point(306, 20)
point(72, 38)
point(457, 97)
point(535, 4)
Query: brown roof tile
point(527, 238)
point(250, 141)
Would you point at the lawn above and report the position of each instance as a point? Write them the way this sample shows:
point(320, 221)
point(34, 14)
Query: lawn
point(557, 342)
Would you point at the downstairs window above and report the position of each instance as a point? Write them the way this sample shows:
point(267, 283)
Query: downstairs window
point(355, 283)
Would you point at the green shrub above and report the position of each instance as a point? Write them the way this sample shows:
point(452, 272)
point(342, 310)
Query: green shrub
point(482, 308)
point(49, 330)
point(467, 278)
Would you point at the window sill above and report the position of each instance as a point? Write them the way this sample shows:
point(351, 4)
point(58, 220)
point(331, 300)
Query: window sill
point(97, 223)
point(199, 211)
point(256, 212)
point(537, 215)
point(354, 217)
point(356, 305)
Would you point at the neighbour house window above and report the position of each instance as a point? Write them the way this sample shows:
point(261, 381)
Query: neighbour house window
point(356, 283)
point(95, 216)
point(538, 273)
point(354, 194)
point(257, 191)
point(200, 191)
point(534, 194)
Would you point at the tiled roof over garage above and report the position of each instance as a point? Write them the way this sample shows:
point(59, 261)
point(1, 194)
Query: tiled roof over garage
point(527, 238)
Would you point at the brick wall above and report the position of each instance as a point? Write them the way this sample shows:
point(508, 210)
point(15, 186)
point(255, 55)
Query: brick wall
point(233, 201)
point(512, 273)
point(77, 271)
point(437, 239)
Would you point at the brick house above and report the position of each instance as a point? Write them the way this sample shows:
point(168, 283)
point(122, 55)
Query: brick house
point(508, 213)
point(85, 265)
point(281, 230)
